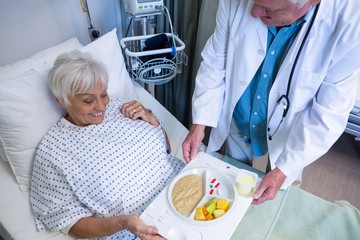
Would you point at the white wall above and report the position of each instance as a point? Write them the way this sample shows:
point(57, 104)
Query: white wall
point(51, 22)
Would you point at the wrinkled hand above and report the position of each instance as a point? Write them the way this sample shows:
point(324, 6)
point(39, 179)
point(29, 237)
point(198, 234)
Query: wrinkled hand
point(136, 110)
point(140, 229)
point(191, 144)
point(269, 186)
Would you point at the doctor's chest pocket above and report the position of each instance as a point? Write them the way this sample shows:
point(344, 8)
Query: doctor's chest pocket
point(305, 89)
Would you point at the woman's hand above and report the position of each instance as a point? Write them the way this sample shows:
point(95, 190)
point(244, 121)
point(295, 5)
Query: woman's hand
point(138, 227)
point(93, 227)
point(136, 110)
point(269, 186)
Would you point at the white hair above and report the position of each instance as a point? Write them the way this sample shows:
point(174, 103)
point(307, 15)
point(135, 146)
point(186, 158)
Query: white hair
point(75, 72)
point(298, 3)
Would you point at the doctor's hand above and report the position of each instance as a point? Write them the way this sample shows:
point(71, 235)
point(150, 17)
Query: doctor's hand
point(191, 144)
point(269, 186)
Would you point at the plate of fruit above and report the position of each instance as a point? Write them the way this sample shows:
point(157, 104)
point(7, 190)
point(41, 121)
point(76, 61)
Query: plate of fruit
point(201, 195)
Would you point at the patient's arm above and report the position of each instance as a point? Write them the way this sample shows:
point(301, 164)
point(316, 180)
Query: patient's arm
point(92, 227)
point(136, 110)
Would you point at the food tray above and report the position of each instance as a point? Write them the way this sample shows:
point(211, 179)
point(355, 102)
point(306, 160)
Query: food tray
point(215, 184)
point(172, 226)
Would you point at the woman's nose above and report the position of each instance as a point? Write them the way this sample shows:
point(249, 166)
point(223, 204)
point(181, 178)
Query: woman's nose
point(101, 105)
point(258, 11)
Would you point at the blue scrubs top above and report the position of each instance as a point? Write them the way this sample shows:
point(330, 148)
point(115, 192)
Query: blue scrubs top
point(250, 113)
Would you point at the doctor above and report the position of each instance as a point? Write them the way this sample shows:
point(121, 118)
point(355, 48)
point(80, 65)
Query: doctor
point(277, 77)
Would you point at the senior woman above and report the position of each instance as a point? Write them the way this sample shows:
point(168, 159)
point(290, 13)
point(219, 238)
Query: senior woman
point(101, 164)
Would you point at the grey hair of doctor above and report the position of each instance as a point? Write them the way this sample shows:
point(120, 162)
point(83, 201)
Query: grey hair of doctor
point(74, 73)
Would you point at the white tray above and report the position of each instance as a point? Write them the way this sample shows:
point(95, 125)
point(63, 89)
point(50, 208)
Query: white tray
point(173, 226)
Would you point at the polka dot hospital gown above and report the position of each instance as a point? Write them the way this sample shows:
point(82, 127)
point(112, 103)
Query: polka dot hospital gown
point(114, 168)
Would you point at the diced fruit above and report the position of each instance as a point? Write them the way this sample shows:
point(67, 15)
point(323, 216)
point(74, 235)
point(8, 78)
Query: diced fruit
point(199, 214)
point(205, 210)
point(213, 200)
point(218, 213)
point(210, 209)
point(214, 208)
point(222, 204)
point(209, 217)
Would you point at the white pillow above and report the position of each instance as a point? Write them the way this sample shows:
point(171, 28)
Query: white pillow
point(46, 56)
point(107, 50)
point(28, 109)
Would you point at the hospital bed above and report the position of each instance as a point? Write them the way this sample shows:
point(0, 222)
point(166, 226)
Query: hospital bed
point(28, 110)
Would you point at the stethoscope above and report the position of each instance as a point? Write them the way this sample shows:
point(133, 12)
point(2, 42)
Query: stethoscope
point(283, 103)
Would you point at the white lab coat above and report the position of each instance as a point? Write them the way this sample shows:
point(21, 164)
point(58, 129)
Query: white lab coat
point(322, 89)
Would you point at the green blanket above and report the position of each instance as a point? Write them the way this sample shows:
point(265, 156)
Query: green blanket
point(296, 214)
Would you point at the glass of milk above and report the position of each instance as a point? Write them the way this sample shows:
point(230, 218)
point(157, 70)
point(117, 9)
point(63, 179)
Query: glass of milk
point(245, 182)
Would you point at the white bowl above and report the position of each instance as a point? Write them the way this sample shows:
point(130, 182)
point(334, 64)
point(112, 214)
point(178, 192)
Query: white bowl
point(225, 190)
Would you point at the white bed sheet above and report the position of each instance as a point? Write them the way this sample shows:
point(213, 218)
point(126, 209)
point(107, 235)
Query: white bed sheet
point(15, 213)
point(16, 220)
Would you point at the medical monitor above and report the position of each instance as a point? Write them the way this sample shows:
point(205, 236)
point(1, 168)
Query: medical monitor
point(143, 7)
